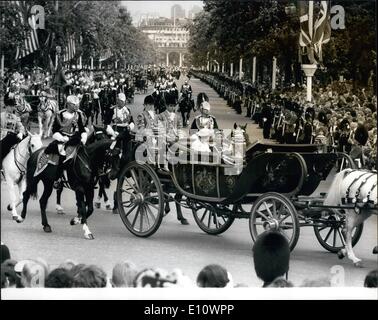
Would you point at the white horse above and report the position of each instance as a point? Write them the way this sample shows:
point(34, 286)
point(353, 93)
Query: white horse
point(355, 191)
point(47, 110)
point(14, 167)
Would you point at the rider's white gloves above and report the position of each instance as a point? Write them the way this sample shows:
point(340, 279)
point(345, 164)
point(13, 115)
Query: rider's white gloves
point(20, 135)
point(59, 137)
point(131, 126)
point(84, 137)
point(110, 131)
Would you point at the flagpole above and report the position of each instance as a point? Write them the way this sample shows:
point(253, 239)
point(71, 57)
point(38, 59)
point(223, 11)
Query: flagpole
point(2, 65)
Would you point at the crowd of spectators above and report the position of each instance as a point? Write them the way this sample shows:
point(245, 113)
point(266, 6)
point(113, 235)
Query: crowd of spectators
point(270, 255)
point(340, 116)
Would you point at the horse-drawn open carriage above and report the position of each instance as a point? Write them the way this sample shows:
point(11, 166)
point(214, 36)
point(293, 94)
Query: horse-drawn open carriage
point(276, 187)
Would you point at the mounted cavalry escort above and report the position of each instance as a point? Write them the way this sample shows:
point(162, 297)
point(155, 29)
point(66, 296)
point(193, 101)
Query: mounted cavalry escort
point(82, 164)
point(15, 152)
point(186, 103)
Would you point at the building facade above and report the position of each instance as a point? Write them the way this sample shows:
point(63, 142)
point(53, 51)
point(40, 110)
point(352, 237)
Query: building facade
point(170, 38)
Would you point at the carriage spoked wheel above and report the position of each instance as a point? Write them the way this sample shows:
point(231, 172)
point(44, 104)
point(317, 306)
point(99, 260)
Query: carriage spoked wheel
point(140, 199)
point(273, 211)
point(330, 234)
point(209, 218)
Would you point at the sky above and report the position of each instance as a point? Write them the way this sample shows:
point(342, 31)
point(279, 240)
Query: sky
point(161, 8)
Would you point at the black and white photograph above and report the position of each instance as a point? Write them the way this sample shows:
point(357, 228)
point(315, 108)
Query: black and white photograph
point(188, 150)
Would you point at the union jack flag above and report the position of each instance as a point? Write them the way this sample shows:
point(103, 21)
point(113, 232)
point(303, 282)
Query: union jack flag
point(315, 26)
point(31, 42)
point(70, 49)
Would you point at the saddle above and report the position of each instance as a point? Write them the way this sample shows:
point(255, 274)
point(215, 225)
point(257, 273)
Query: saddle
point(50, 155)
point(44, 159)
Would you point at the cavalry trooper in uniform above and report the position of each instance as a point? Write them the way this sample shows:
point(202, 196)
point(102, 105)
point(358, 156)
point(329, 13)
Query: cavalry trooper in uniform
point(12, 130)
point(186, 88)
point(68, 129)
point(204, 120)
point(122, 119)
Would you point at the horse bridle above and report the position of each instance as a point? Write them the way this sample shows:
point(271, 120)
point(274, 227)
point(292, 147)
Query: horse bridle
point(17, 163)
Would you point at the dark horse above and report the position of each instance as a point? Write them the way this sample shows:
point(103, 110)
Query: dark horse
point(185, 107)
point(82, 172)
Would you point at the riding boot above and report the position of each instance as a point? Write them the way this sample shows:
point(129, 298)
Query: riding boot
point(59, 172)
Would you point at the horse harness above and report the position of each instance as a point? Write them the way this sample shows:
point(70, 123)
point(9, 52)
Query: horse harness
point(18, 163)
point(365, 176)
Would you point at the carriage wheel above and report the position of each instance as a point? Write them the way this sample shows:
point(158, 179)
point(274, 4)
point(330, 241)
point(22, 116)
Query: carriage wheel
point(273, 211)
point(211, 220)
point(140, 199)
point(331, 236)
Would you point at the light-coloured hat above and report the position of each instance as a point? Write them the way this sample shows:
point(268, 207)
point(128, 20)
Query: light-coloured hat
point(205, 132)
point(205, 105)
point(73, 100)
point(121, 96)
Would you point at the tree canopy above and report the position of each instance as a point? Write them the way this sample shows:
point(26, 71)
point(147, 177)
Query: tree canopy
point(100, 25)
point(228, 30)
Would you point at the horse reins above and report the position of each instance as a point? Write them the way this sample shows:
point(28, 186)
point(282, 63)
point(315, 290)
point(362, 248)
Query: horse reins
point(18, 164)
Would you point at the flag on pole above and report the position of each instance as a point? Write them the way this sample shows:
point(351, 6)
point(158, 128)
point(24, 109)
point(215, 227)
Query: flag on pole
point(31, 42)
point(315, 27)
point(70, 49)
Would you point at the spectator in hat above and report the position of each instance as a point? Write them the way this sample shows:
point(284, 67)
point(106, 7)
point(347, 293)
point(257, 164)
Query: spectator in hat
point(271, 256)
point(123, 274)
point(214, 276)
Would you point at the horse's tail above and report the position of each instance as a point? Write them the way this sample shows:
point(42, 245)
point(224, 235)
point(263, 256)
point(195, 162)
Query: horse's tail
point(31, 185)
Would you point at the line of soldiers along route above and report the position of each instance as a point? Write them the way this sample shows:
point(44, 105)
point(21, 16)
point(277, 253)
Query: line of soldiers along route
point(174, 245)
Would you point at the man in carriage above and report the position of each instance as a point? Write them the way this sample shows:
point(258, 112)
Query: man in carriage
point(172, 121)
point(205, 119)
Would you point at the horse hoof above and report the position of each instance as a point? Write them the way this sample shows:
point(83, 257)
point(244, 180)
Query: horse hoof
point(18, 219)
point(98, 205)
point(375, 250)
point(358, 264)
point(89, 236)
point(184, 222)
point(47, 229)
point(108, 207)
point(115, 211)
point(9, 207)
point(59, 211)
point(75, 221)
point(340, 254)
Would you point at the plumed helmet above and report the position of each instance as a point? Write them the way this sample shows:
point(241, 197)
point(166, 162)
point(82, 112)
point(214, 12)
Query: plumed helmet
point(121, 96)
point(205, 105)
point(73, 100)
point(271, 255)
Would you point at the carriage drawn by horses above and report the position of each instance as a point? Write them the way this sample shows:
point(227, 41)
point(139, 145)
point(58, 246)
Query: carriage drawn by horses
point(275, 187)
